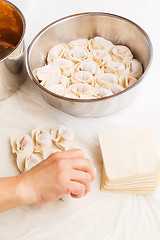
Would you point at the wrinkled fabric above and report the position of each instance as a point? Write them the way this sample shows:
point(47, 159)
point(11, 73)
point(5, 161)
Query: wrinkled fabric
point(99, 215)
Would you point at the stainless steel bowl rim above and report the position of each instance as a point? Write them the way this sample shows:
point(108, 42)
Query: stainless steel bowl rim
point(24, 28)
point(84, 14)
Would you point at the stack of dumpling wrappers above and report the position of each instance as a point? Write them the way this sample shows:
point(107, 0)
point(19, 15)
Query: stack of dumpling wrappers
point(130, 161)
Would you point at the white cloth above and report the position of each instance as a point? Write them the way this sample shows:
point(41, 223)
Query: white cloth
point(100, 215)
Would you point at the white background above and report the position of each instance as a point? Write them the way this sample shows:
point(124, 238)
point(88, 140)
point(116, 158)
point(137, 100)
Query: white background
point(99, 216)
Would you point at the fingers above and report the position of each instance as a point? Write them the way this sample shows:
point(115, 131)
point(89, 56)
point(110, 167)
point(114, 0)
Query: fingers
point(73, 153)
point(84, 165)
point(77, 169)
point(76, 189)
point(83, 178)
point(76, 159)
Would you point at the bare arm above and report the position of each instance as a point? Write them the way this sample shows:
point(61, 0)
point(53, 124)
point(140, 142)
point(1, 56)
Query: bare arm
point(62, 173)
point(9, 194)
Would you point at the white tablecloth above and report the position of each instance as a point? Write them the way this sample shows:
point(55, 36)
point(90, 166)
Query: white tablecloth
point(100, 215)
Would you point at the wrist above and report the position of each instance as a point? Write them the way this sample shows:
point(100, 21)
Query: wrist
point(11, 193)
point(23, 191)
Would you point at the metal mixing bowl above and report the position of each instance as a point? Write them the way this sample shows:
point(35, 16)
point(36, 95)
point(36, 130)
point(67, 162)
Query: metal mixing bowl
point(88, 25)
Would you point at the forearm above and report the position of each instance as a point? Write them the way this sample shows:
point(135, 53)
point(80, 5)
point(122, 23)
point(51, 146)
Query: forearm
point(10, 194)
point(48, 181)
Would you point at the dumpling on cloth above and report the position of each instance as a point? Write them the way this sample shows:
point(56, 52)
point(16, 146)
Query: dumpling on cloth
point(22, 143)
point(101, 43)
point(58, 51)
point(23, 146)
point(78, 54)
point(82, 77)
point(100, 56)
point(46, 72)
point(88, 66)
point(121, 54)
point(63, 137)
point(81, 42)
point(32, 161)
point(66, 66)
point(135, 68)
point(42, 139)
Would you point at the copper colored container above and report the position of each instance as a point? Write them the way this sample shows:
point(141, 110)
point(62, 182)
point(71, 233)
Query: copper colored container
point(12, 59)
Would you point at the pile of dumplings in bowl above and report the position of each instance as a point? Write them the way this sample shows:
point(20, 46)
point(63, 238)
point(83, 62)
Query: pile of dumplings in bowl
point(89, 69)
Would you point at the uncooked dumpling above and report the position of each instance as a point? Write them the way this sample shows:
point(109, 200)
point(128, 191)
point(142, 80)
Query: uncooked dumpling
point(130, 81)
point(32, 161)
point(82, 77)
point(22, 143)
point(57, 51)
point(88, 66)
point(57, 79)
point(63, 137)
point(102, 92)
point(23, 146)
point(101, 43)
point(58, 89)
point(122, 78)
point(66, 66)
point(81, 42)
point(101, 56)
point(32, 149)
point(81, 88)
point(46, 72)
point(42, 139)
point(115, 88)
point(114, 67)
point(121, 53)
point(135, 68)
point(77, 69)
point(105, 78)
point(78, 54)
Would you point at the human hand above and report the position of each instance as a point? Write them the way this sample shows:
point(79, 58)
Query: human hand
point(68, 172)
